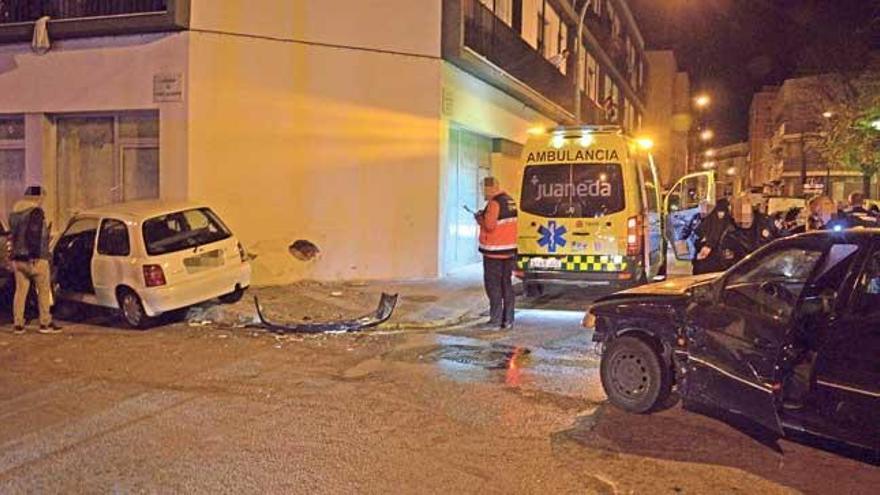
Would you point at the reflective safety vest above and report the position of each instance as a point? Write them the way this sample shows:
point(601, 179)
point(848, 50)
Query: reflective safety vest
point(500, 241)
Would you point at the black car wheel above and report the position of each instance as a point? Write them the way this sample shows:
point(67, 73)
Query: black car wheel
point(133, 310)
point(633, 375)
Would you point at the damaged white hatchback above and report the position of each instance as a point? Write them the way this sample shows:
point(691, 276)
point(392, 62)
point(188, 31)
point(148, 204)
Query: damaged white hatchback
point(146, 258)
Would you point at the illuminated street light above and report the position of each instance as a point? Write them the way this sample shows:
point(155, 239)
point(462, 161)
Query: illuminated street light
point(707, 135)
point(828, 114)
point(876, 124)
point(710, 153)
point(702, 101)
point(709, 165)
point(645, 143)
point(731, 171)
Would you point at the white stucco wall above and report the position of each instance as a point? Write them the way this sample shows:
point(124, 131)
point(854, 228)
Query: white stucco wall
point(94, 75)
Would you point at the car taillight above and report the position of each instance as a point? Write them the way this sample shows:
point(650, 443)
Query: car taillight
point(153, 276)
point(241, 253)
point(634, 236)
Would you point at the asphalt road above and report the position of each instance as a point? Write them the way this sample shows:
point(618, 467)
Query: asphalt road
point(469, 410)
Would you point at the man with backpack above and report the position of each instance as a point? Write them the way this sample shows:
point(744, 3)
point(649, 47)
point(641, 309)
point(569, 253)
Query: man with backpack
point(30, 259)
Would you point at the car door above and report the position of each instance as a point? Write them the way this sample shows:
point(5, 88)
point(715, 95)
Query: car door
point(111, 255)
point(682, 203)
point(848, 362)
point(653, 237)
point(735, 339)
point(72, 256)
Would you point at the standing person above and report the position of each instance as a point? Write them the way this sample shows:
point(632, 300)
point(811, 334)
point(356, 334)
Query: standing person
point(689, 232)
point(708, 234)
point(30, 259)
point(498, 244)
point(744, 231)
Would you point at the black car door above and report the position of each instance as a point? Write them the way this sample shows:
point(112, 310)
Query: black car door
point(848, 363)
point(735, 337)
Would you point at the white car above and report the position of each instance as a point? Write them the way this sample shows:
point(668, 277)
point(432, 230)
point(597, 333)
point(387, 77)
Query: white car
point(147, 258)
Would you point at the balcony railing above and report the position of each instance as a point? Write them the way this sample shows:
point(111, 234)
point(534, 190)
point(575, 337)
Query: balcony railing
point(13, 11)
point(489, 36)
point(80, 18)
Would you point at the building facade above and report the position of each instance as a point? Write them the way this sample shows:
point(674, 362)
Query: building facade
point(785, 132)
point(731, 164)
point(363, 129)
point(668, 118)
point(761, 130)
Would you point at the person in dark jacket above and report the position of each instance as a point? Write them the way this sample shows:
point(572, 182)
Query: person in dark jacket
point(30, 259)
point(708, 233)
point(733, 236)
point(689, 232)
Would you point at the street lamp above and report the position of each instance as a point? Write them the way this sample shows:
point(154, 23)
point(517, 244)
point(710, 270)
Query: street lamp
point(828, 114)
point(707, 135)
point(578, 46)
point(710, 153)
point(702, 101)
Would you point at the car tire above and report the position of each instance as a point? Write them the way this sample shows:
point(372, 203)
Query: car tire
point(232, 297)
point(132, 310)
point(634, 376)
point(533, 289)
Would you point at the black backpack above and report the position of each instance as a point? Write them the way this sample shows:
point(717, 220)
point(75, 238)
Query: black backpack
point(27, 236)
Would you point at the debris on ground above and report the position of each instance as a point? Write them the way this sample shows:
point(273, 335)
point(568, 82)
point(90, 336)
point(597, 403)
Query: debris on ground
point(383, 312)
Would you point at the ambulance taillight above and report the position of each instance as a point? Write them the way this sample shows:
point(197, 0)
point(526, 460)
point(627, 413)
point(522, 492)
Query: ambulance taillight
point(634, 235)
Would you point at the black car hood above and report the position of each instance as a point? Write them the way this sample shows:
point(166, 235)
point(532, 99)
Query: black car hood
point(670, 288)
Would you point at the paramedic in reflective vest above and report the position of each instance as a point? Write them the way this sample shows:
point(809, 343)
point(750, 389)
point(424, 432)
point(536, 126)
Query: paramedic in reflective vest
point(498, 245)
point(30, 258)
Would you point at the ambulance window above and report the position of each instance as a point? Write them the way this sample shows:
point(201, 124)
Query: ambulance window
point(572, 191)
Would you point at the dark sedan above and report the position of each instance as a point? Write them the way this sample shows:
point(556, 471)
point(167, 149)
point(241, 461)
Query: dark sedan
point(788, 337)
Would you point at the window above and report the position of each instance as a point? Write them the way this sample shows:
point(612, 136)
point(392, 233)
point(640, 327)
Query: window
point(869, 286)
point(590, 81)
point(11, 162)
point(183, 230)
point(533, 22)
point(116, 154)
point(551, 32)
point(695, 189)
point(113, 239)
point(572, 191)
point(597, 6)
point(647, 177)
point(771, 283)
point(503, 9)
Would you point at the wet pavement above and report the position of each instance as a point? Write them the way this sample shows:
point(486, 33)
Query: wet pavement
point(463, 409)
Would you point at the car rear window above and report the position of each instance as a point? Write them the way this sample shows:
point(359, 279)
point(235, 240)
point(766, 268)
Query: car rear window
point(581, 190)
point(183, 230)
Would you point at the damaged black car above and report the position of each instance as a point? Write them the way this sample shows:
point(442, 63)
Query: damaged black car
point(789, 337)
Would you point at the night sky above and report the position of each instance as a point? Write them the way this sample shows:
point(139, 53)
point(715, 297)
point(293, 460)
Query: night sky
point(733, 47)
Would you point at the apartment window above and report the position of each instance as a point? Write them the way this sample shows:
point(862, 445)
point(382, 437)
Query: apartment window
point(615, 21)
point(597, 6)
point(116, 155)
point(503, 9)
point(533, 22)
point(11, 162)
point(592, 77)
point(610, 99)
point(551, 31)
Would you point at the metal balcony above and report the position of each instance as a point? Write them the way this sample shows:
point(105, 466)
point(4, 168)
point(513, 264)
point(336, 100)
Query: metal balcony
point(81, 18)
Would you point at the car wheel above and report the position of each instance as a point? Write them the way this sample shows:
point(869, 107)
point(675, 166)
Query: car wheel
point(132, 310)
point(633, 375)
point(233, 297)
point(533, 289)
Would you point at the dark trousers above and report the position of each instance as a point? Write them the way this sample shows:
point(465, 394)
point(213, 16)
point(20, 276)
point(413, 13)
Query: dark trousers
point(497, 275)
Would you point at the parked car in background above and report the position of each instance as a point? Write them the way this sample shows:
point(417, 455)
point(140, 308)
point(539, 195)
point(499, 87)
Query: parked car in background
point(147, 258)
point(788, 337)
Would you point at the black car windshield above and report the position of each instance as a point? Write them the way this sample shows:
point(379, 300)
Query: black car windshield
point(572, 190)
point(183, 230)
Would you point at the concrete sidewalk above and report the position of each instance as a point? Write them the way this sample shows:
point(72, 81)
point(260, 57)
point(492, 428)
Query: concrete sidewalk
point(453, 300)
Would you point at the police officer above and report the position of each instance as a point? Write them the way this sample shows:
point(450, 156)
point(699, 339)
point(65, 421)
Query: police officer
point(733, 235)
point(498, 236)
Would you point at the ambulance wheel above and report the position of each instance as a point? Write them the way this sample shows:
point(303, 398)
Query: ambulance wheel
point(533, 289)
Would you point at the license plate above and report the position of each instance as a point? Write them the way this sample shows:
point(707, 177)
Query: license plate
point(546, 263)
point(210, 259)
